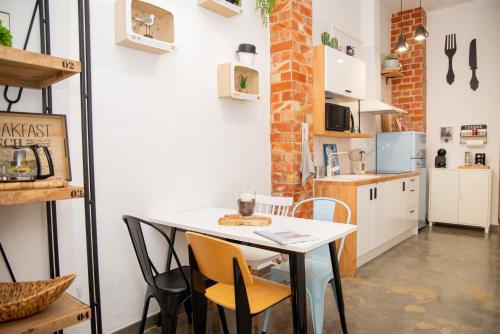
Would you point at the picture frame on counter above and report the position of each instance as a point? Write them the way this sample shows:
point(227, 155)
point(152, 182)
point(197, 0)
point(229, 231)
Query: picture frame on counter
point(5, 19)
point(25, 129)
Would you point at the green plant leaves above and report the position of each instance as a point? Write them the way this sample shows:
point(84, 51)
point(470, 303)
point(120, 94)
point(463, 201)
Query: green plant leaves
point(5, 36)
point(265, 8)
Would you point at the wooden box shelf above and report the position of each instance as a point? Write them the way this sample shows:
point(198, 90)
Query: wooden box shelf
point(65, 312)
point(348, 135)
point(131, 32)
point(28, 69)
point(228, 76)
point(12, 197)
point(221, 7)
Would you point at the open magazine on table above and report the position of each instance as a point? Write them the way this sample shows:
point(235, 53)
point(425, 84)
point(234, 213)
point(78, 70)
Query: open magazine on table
point(285, 236)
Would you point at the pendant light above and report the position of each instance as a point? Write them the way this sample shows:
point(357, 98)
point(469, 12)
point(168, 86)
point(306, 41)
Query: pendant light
point(421, 33)
point(401, 45)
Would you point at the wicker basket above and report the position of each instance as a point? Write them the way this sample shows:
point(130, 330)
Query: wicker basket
point(19, 300)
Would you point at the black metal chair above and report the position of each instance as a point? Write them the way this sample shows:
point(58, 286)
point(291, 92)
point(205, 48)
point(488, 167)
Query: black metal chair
point(171, 288)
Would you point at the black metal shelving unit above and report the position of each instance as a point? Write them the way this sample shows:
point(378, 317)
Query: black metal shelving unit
point(42, 9)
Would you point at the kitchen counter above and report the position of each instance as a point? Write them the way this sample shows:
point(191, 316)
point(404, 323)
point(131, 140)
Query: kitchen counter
point(383, 206)
point(359, 180)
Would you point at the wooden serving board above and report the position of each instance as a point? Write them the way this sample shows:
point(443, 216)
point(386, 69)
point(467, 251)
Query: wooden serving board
point(236, 220)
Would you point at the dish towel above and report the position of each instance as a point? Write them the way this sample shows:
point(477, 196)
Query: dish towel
point(306, 165)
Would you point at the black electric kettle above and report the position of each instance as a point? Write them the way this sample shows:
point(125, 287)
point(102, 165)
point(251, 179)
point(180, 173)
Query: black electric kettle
point(19, 167)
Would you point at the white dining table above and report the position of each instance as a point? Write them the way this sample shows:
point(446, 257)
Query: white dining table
point(205, 221)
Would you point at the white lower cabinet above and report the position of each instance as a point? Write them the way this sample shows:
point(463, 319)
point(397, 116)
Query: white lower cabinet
point(364, 219)
point(386, 211)
point(460, 196)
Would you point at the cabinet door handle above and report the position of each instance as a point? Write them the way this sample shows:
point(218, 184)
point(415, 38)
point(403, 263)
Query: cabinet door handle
point(371, 194)
point(348, 91)
point(375, 195)
point(412, 211)
point(412, 190)
point(404, 186)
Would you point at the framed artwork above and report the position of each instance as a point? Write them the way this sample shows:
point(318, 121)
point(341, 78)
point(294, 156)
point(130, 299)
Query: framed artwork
point(446, 134)
point(331, 161)
point(25, 129)
point(5, 19)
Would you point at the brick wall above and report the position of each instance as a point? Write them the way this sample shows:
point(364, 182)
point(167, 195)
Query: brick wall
point(409, 91)
point(291, 95)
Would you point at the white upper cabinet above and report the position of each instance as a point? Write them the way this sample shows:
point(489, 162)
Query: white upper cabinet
point(345, 76)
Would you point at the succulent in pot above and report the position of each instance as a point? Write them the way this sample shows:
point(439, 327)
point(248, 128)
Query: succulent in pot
point(392, 61)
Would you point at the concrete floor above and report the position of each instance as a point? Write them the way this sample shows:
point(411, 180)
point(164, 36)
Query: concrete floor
point(446, 280)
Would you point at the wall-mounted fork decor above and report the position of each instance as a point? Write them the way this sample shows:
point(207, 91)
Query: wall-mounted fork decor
point(450, 48)
point(474, 83)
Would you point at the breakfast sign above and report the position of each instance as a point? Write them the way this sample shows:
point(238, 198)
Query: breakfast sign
point(26, 129)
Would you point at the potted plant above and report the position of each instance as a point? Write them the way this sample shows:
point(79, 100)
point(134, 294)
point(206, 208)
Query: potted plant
point(265, 8)
point(333, 43)
point(5, 36)
point(392, 61)
point(243, 83)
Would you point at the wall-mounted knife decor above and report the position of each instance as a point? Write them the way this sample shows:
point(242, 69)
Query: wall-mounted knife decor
point(474, 83)
point(450, 48)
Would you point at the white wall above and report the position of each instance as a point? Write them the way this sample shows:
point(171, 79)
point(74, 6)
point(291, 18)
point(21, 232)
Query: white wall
point(458, 105)
point(163, 140)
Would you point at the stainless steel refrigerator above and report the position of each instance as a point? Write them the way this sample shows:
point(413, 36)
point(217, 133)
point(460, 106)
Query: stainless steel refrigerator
point(401, 152)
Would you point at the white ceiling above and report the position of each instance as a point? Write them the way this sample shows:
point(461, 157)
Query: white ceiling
point(428, 5)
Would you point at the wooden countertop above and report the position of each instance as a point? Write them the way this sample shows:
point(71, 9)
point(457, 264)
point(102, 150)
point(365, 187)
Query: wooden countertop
point(367, 180)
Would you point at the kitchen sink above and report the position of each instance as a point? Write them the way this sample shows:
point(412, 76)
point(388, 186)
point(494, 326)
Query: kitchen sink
point(347, 178)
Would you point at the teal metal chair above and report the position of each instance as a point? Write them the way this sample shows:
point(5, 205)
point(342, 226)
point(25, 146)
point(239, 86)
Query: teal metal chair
point(318, 265)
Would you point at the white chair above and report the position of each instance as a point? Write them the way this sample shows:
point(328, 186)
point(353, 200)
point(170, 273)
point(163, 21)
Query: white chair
point(257, 258)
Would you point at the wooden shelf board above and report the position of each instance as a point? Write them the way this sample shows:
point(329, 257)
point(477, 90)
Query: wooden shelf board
point(66, 311)
point(221, 7)
point(33, 70)
point(338, 134)
point(12, 197)
point(391, 73)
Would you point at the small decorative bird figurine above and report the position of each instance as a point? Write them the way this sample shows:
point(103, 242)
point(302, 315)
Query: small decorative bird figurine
point(148, 21)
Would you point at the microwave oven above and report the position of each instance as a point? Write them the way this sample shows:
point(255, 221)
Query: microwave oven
point(338, 118)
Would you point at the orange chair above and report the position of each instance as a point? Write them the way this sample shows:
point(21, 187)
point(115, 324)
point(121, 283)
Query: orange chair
point(235, 288)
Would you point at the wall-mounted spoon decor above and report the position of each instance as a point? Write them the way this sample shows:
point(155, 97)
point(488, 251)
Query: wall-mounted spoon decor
point(450, 48)
point(474, 83)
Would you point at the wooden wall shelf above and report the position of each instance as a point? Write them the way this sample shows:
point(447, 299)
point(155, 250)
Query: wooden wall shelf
point(28, 69)
point(348, 135)
point(12, 197)
point(65, 312)
point(221, 7)
point(391, 73)
point(228, 76)
point(133, 33)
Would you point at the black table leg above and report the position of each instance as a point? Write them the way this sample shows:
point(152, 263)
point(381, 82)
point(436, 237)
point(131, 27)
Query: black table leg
point(298, 281)
point(338, 285)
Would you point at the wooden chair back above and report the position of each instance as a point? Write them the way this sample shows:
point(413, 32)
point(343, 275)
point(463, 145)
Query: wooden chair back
point(214, 258)
point(273, 205)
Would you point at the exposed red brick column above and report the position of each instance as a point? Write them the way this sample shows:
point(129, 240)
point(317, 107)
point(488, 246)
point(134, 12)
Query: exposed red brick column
point(291, 95)
point(409, 91)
